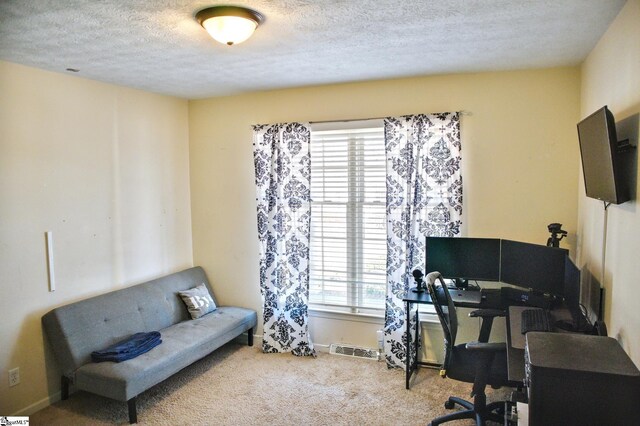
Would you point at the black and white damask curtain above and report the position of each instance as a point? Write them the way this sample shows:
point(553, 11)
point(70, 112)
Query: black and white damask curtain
point(282, 167)
point(424, 198)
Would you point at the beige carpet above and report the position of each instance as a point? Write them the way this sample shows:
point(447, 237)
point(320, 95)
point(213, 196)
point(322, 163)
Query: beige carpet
point(239, 385)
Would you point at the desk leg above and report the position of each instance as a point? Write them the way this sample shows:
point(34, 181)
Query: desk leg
point(416, 340)
point(408, 360)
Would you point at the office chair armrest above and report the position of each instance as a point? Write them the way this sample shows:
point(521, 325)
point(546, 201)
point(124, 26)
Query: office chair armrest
point(487, 316)
point(483, 313)
point(486, 347)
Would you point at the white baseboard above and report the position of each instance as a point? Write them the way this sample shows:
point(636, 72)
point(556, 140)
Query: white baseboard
point(319, 347)
point(38, 405)
point(244, 336)
point(257, 338)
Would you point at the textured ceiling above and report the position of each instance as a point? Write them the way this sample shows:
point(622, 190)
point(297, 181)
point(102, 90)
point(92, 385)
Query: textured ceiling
point(156, 45)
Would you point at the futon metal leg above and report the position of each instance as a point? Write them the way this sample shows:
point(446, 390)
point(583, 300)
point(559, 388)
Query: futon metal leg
point(133, 414)
point(64, 388)
point(250, 336)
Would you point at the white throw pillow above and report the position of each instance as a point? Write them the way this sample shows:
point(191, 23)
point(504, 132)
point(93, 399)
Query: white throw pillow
point(198, 300)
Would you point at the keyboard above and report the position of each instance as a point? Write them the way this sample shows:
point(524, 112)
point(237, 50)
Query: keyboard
point(535, 320)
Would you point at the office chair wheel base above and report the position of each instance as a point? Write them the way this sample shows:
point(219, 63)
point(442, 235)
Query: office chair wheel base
point(449, 404)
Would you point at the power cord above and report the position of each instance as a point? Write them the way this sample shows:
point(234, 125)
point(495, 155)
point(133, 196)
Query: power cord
point(475, 285)
point(585, 315)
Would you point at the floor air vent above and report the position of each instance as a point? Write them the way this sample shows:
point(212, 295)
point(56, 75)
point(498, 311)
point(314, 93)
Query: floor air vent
point(353, 351)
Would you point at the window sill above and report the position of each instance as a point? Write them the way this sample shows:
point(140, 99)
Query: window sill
point(323, 312)
point(429, 318)
point(320, 312)
point(427, 315)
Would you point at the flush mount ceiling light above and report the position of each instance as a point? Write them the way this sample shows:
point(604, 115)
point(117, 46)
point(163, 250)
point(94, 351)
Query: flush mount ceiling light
point(229, 24)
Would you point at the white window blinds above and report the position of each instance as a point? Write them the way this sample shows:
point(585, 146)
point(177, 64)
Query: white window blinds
point(348, 225)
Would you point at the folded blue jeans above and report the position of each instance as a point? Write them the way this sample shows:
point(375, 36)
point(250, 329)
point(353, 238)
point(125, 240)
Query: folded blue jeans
point(129, 348)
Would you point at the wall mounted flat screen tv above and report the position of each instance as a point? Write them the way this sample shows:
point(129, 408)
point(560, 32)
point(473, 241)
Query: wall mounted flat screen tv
point(602, 158)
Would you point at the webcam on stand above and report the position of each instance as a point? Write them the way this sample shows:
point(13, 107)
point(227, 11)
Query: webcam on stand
point(555, 229)
point(418, 276)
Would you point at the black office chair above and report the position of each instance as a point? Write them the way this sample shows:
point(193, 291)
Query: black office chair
point(480, 363)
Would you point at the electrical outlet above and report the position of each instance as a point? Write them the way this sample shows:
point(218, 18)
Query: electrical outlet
point(14, 376)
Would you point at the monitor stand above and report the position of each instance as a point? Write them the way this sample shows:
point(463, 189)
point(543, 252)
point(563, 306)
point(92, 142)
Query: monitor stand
point(461, 284)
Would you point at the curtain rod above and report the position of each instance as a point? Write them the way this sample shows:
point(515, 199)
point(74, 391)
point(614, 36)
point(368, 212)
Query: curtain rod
point(346, 120)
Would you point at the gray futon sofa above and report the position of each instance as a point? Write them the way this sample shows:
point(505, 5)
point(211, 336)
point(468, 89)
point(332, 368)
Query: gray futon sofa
point(77, 329)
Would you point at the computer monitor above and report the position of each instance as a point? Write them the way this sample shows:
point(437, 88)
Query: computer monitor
point(571, 289)
point(464, 258)
point(571, 284)
point(591, 297)
point(533, 266)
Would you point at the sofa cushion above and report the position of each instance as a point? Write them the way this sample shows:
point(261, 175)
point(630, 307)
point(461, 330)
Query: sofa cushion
point(182, 344)
point(198, 301)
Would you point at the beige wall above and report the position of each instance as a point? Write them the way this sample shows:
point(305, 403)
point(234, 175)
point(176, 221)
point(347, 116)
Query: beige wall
point(611, 76)
point(520, 163)
point(106, 169)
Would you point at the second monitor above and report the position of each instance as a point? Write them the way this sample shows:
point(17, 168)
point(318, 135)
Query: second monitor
point(533, 266)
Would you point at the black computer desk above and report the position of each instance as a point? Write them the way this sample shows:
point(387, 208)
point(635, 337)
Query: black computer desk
point(490, 298)
point(516, 340)
point(515, 344)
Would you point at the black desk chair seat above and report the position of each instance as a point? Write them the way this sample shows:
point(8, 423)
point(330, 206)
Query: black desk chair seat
point(480, 363)
point(463, 365)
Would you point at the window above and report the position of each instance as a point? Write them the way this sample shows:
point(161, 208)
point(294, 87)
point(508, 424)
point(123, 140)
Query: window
point(348, 219)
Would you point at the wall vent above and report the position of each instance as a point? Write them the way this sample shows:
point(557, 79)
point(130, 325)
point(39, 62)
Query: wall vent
point(353, 351)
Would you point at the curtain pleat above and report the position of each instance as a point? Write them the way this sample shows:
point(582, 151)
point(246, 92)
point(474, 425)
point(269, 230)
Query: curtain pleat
point(424, 198)
point(282, 172)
